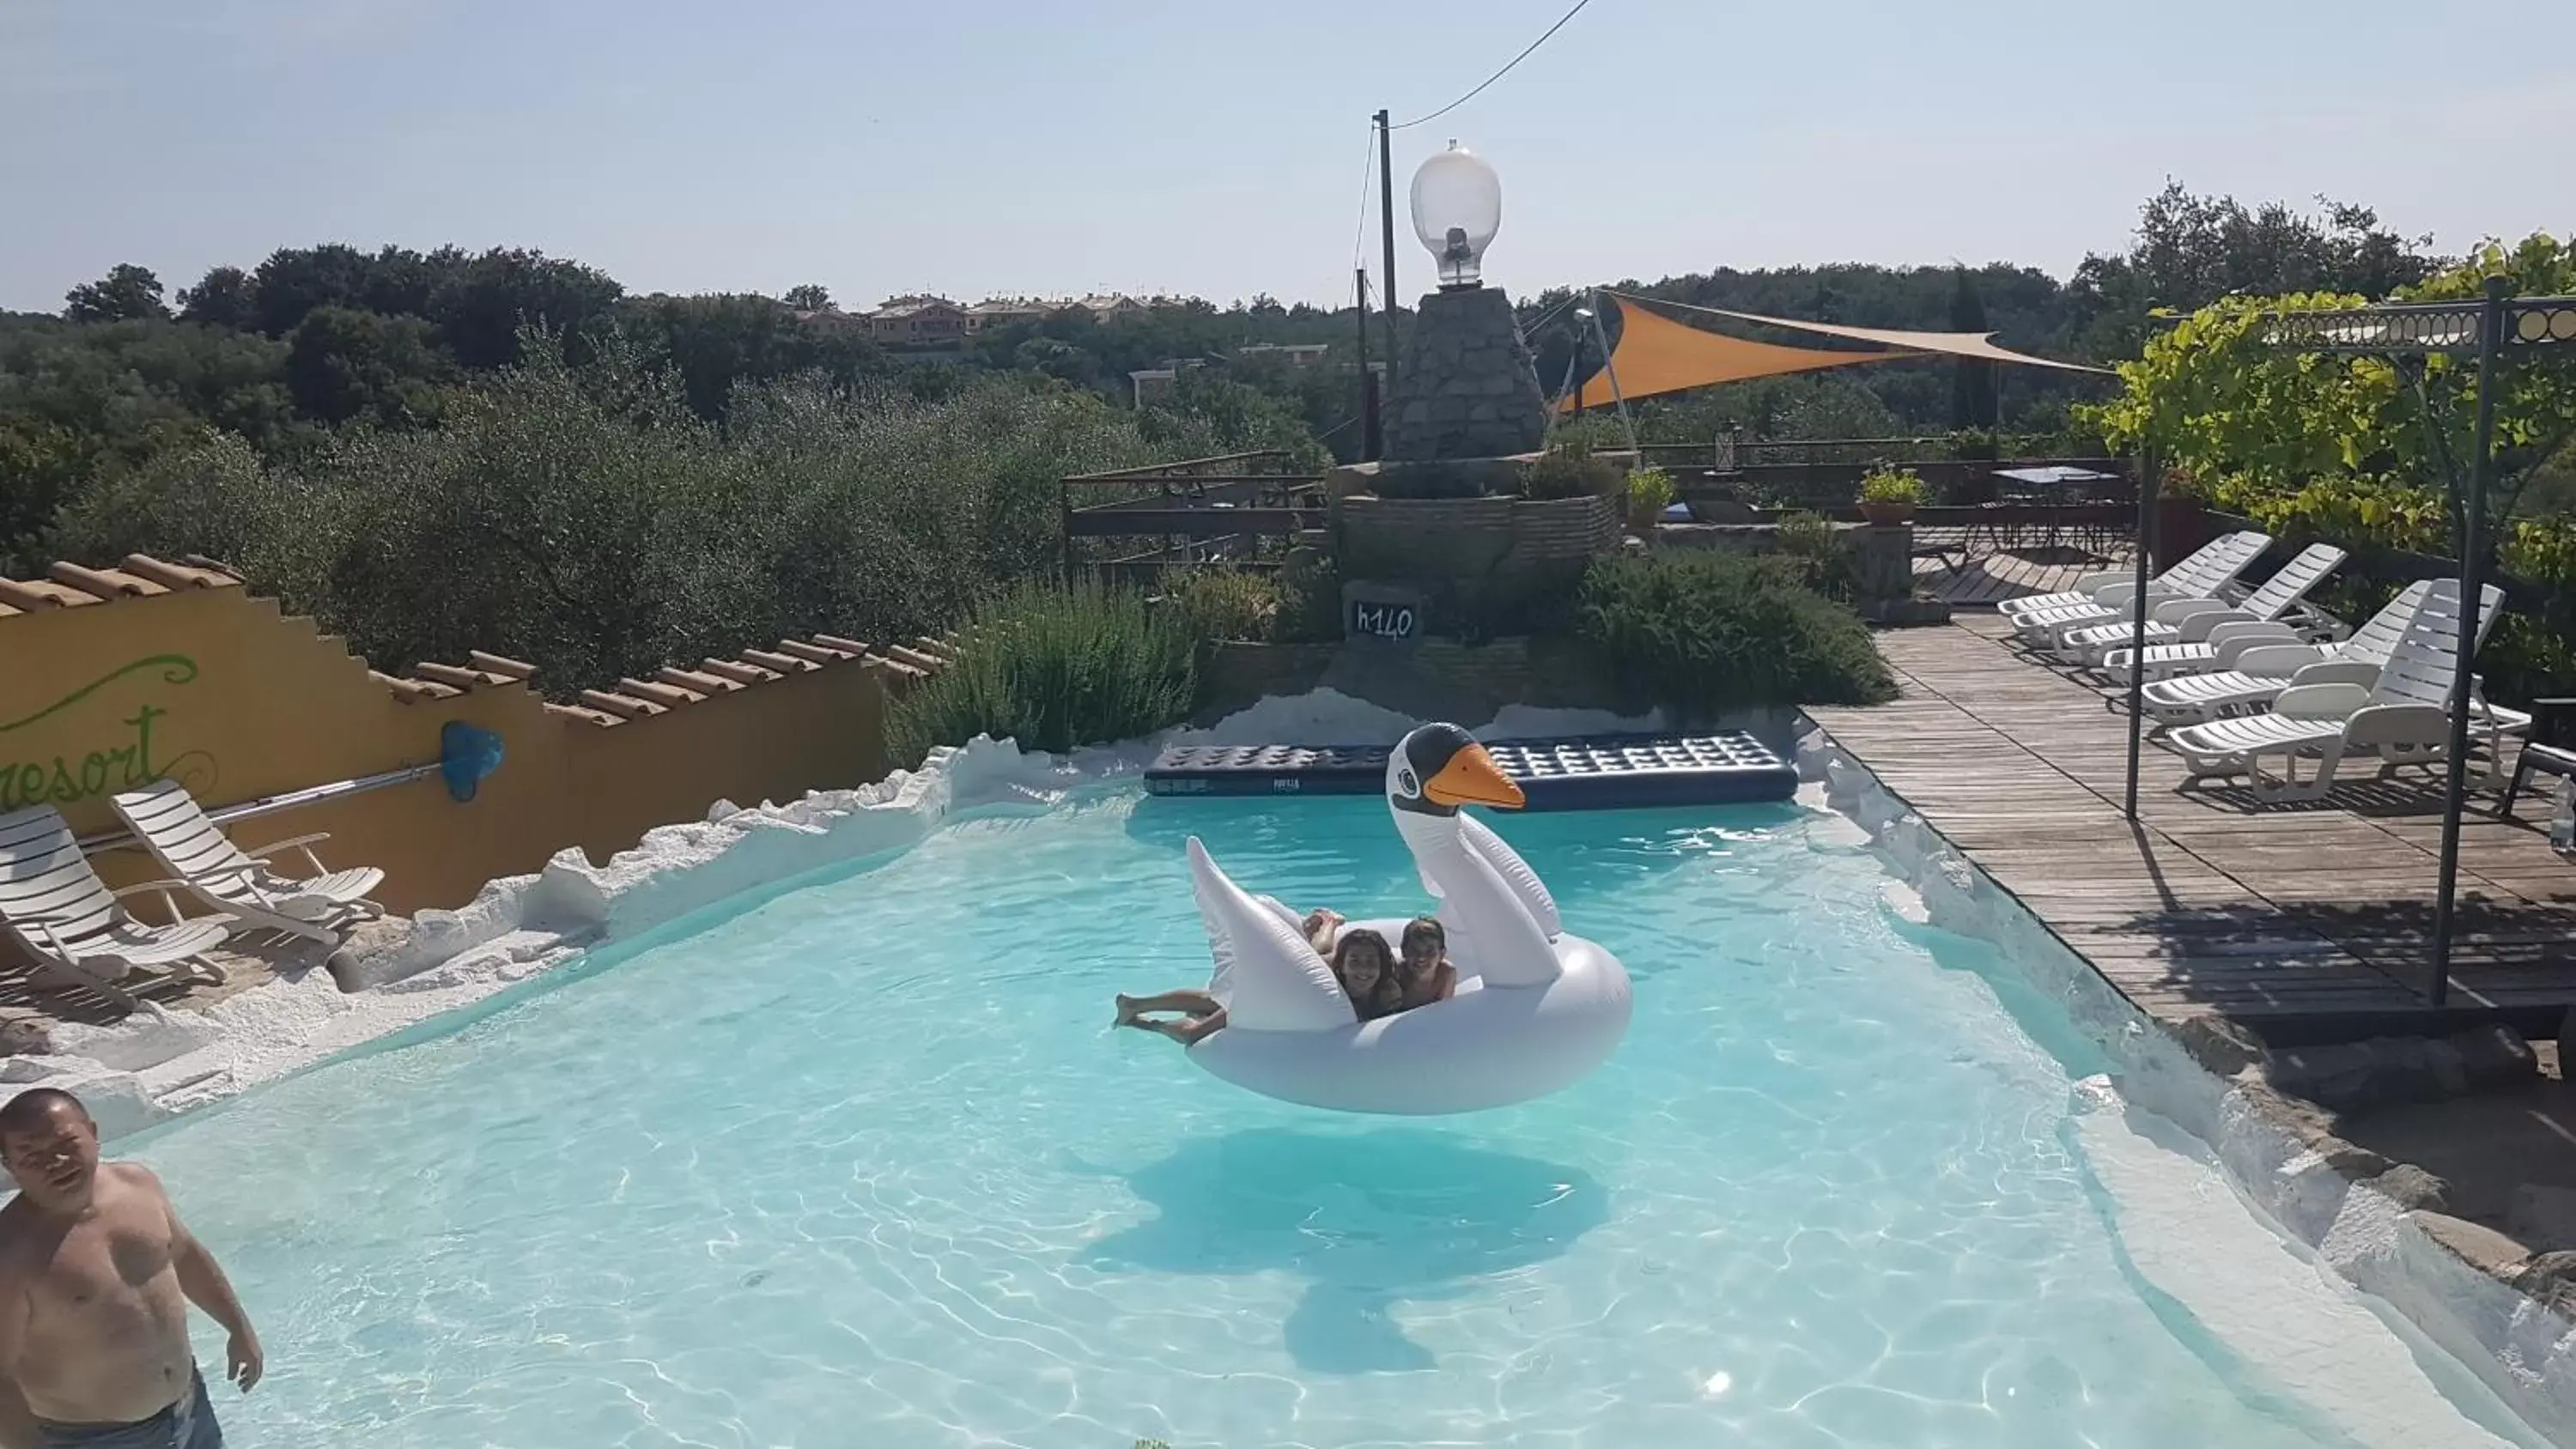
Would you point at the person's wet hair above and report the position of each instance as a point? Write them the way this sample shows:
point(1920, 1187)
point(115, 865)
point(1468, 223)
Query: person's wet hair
point(33, 1109)
point(1425, 931)
point(1363, 940)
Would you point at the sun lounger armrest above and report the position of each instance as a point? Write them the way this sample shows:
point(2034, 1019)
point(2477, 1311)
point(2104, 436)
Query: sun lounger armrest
point(2397, 724)
point(2117, 595)
point(161, 888)
point(2357, 672)
point(2179, 611)
point(2322, 701)
point(267, 854)
point(2246, 633)
point(2271, 657)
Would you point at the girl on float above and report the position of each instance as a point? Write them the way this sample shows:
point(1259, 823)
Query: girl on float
point(1362, 962)
point(1425, 975)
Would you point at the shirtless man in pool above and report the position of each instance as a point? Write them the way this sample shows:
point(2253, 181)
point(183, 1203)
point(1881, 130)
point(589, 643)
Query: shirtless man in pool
point(96, 1275)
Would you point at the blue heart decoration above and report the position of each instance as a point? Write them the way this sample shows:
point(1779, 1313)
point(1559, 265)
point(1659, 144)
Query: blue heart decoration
point(466, 755)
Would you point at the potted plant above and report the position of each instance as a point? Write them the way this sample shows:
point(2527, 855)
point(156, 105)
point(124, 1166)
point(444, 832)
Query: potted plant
point(1890, 495)
point(1650, 492)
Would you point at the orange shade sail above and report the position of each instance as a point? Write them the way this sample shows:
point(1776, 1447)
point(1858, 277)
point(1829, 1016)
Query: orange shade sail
point(1978, 346)
point(1656, 355)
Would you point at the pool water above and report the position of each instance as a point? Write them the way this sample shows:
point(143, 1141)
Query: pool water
point(864, 1165)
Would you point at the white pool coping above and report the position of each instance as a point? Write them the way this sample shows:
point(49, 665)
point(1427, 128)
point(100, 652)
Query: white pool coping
point(2520, 1350)
point(161, 1063)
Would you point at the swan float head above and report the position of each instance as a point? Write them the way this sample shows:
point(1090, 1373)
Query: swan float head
point(1440, 767)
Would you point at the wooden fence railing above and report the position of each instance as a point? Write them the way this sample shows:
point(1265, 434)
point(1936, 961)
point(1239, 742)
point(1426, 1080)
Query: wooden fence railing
point(1229, 507)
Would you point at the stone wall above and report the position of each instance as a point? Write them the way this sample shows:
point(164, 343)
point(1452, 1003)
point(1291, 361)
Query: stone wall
point(1469, 386)
point(1487, 566)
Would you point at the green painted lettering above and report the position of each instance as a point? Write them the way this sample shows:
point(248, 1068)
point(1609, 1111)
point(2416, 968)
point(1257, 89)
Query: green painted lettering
point(58, 781)
point(144, 772)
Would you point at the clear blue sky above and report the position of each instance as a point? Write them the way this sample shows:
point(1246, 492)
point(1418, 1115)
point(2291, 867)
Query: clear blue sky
point(1215, 146)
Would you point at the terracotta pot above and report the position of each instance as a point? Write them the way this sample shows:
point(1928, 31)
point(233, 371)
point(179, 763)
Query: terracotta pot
point(1886, 512)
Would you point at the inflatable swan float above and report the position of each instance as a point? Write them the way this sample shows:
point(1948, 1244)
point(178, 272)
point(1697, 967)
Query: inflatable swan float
point(1535, 1009)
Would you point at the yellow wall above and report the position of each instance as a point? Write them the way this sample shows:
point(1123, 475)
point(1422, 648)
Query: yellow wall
point(212, 687)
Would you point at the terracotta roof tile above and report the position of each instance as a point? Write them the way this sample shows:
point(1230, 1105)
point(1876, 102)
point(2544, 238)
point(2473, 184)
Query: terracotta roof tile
point(736, 671)
point(623, 705)
point(109, 584)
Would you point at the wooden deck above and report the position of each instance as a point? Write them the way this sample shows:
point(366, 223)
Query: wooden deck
point(2308, 922)
point(1985, 575)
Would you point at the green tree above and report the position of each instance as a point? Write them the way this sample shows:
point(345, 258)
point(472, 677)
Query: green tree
point(809, 298)
point(343, 364)
point(127, 293)
point(222, 298)
point(295, 280)
point(2353, 441)
point(481, 303)
point(2193, 250)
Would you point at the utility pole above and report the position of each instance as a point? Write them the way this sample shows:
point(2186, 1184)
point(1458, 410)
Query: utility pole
point(1386, 220)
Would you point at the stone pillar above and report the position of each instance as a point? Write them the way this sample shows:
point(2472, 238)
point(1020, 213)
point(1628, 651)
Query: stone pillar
point(1469, 387)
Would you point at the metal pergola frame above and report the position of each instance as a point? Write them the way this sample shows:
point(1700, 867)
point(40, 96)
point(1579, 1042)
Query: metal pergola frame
point(2493, 329)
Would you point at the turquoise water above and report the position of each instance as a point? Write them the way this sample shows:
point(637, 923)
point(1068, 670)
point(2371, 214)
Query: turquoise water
point(862, 1165)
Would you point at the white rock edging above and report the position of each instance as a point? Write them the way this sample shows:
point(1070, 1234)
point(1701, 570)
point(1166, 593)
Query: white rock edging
point(159, 1062)
point(2519, 1348)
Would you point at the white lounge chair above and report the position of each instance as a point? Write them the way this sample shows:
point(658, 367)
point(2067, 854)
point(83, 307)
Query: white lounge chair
point(2400, 719)
point(319, 907)
point(2205, 575)
point(2087, 585)
point(2184, 624)
point(57, 909)
point(2246, 677)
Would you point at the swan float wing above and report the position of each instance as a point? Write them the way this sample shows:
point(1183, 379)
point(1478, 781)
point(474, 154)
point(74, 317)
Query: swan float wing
point(1516, 874)
point(1268, 976)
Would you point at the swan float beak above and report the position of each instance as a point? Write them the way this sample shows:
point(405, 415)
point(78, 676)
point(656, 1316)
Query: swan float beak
point(1472, 778)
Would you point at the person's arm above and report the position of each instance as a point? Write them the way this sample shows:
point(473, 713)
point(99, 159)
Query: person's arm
point(1448, 981)
point(203, 1280)
point(17, 1421)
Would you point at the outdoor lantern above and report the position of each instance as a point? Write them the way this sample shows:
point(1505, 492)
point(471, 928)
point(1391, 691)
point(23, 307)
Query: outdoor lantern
point(1457, 208)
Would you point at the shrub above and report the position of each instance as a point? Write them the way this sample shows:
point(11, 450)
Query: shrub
point(1223, 603)
point(1310, 603)
point(1053, 667)
point(1651, 491)
point(1883, 484)
point(1570, 471)
point(1701, 633)
point(1807, 540)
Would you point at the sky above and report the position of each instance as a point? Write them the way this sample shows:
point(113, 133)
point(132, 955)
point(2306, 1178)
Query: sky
point(1217, 147)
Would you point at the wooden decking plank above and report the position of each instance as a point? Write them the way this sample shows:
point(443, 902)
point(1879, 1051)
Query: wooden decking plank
point(2211, 901)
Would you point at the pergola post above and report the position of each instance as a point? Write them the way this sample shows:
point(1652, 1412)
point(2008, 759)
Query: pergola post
point(2473, 518)
point(2147, 488)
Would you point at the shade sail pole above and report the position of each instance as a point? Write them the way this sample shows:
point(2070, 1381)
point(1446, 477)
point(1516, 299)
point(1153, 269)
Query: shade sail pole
point(2138, 621)
point(1610, 366)
point(2473, 517)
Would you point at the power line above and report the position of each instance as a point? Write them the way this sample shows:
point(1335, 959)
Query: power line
point(1498, 75)
point(1359, 230)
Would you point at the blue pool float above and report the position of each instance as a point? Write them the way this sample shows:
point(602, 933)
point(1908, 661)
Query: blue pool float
point(1537, 1008)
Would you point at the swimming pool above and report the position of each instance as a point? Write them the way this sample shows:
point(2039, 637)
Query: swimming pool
point(863, 1165)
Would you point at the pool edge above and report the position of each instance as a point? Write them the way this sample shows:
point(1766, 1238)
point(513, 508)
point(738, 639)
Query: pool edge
point(2513, 1343)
